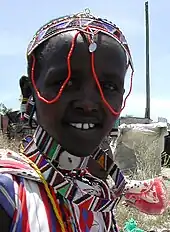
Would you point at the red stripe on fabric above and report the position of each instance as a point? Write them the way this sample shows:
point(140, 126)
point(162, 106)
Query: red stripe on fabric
point(46, 205)
point(13, 164)
point(24, 210)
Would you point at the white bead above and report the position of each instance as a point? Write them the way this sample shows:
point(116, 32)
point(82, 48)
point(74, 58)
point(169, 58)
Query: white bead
point(64, 161)
point(92, 47)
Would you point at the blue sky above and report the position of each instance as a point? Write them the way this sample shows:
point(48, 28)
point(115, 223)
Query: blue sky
point(20, 19)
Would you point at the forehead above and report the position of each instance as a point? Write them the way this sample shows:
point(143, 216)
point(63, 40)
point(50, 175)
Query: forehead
point(108, 55)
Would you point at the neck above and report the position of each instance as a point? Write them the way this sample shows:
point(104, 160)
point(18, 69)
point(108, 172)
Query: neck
point(43, 145)
point(55, 153)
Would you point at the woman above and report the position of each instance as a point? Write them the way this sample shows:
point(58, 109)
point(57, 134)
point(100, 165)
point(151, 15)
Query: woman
point(77, 66)
point(26, 93)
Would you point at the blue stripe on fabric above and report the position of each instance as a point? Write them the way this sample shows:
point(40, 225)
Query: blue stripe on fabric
point(17, 225)
point(18, 222)
point(7, 194)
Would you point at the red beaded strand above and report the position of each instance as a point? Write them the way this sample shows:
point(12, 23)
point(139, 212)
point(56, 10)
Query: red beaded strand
point(69, 76)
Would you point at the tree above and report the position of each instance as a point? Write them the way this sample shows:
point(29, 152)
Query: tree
point(4, 110)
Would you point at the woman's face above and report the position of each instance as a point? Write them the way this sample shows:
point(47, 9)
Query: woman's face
point(79, 120)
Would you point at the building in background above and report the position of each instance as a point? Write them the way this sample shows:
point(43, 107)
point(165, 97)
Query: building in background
point(134, 120)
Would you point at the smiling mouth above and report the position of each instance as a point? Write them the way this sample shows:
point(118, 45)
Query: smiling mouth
point(84, 126)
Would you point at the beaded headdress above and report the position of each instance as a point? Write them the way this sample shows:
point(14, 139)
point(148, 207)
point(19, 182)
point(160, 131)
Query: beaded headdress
point(90, 25)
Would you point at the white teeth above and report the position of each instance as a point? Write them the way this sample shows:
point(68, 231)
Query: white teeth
point(73, 124)
point(78, 125)
point(84, 126)
point(91, 125)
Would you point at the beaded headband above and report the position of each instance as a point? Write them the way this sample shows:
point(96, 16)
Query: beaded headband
point(89, 25)
point(81, 22)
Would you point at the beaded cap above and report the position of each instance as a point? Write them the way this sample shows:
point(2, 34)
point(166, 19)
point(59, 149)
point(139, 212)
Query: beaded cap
point(80, 22)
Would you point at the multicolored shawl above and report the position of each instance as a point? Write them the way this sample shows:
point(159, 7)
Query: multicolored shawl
point(85, 202)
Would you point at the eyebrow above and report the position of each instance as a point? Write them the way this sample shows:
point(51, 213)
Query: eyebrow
point(62, 72)
point(57, 70)
point(113, 76)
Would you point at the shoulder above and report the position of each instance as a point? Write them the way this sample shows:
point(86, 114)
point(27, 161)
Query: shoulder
point(7, 154)
point(7, 194)
point(14, 173)
point(15, 164)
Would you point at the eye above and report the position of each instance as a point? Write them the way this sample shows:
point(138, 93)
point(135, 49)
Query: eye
point(58, 83)
point(53, 84)
point(73, 84)
point(69, 83)
point(109, 86)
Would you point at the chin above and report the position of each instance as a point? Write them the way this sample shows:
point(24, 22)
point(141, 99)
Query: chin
point(77, 142)
point(80, 150)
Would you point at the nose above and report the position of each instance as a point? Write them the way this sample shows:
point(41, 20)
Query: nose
point(86, 106)
point(88, 98)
